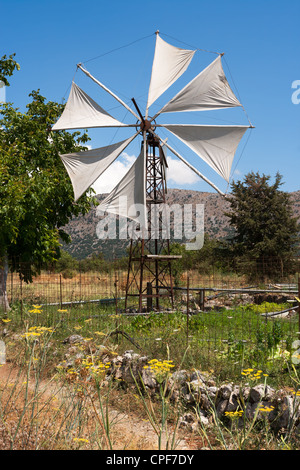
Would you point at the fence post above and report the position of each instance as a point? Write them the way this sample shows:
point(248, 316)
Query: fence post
point(60, 291)
point(202, 296)
point(299, 301)
point(21, 293)
point(149, 297)
point(187, 310)
point(117, 317)
point(11, 285)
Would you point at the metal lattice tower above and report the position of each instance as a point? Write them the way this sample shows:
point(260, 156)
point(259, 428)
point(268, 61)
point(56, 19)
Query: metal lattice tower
point(149, 266)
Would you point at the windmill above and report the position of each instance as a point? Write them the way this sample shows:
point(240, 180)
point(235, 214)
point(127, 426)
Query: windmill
point(143, 188)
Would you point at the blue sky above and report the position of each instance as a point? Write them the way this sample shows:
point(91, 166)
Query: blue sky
point(261, 44)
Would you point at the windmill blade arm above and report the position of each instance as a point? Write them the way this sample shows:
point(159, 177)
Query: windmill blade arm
point(216, 145)
point(85, 167)
point(209, 90)
point(108, 91)
point(169, 64)
point(189, 165)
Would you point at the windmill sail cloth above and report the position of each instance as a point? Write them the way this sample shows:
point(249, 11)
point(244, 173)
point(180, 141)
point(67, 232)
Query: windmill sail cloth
point(128, 198)
point(216, 145)
point(169, 64)
point(81, 111)
point(209, 90)
point(84, 168)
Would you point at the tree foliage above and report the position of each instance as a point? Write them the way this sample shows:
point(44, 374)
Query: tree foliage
point(36, 195)
point(265, 231)
point(7, 67)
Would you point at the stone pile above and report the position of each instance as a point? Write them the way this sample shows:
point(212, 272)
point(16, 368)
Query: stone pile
point(197, 390)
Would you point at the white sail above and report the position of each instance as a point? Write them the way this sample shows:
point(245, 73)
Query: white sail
point(216, 145)
point(169, 64)
point(84, 168)
point(209, 90)
point(82, 112)
point(128, 198)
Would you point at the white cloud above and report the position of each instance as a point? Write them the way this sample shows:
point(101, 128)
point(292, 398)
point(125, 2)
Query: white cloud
point(179, 173)
point(114, 174)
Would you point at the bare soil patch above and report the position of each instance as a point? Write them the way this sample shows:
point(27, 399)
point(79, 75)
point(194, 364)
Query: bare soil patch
point(128, 430)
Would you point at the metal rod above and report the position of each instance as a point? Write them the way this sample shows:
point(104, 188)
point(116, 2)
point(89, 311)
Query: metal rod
point(245, 291)
point(107, 89)
point(189, 165)
point(138, 110)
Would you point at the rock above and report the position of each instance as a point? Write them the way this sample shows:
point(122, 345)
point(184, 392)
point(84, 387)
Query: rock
point(221, 407)
point(246, 393)
point(257, 393)
point(187, 422)
point(179, 377)
point(197, 386)
point(212, 392)
point(189, 399)
point(290, 412)
point(249, 411)
point(204, 402)
point(262, 392)
point(73, 339)
point(270, 393)
point(232, 403)
point(203, 376)
point(225, 391)
point(188, 417)
point(203, 419)
point(191, 423)
point(148, 379)
point(130, 356)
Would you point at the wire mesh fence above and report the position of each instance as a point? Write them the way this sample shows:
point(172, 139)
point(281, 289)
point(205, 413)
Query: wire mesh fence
point(218, 316)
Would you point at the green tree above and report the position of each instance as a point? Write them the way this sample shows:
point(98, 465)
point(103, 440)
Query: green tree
point(266, 233)
point(7, 67)
point(36, 195)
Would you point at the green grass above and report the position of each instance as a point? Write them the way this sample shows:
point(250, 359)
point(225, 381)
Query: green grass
point(224, 341)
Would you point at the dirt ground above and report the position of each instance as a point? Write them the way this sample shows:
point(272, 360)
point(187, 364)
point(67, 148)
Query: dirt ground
point(128, 432)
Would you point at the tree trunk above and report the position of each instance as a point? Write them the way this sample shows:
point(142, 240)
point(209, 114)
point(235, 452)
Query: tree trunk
point(4, 304)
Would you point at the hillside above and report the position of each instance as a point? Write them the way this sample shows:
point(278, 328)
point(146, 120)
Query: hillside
point(83, 229)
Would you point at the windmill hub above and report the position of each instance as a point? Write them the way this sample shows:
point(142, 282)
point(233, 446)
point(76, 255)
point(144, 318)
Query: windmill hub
point(145, 125)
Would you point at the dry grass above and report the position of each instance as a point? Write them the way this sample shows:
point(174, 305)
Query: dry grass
point(46, 416)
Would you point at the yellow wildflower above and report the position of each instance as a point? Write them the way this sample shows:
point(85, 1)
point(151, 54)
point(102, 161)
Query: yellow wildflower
point(35, 310)
point(234, 414)
point(266, 409)
point(81, 439)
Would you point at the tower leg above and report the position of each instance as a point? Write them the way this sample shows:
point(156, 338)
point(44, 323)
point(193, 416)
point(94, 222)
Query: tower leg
point(149, 265)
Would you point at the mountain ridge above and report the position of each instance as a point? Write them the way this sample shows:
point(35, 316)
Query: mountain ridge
point(85, 242)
